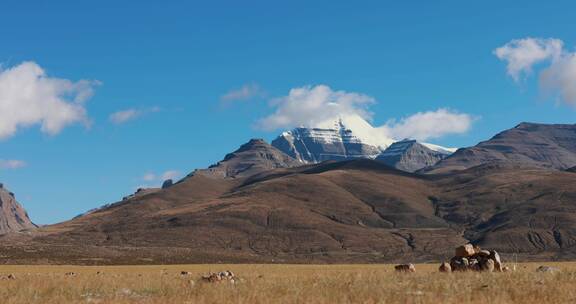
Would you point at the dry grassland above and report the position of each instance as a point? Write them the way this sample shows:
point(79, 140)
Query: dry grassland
point(284, 284)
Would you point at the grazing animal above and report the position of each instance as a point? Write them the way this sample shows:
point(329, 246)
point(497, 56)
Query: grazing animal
point(405, 268)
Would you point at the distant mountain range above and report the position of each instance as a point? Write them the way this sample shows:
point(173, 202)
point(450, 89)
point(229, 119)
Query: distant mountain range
point(410, 201)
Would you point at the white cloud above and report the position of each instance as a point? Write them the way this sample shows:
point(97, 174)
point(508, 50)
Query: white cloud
point(320, 106)
point(171, 174)
point(523, 54)
point(123, 116)
point(313, 106)
point(11, 164)
point(148, 177)
point(154, 180)
point(430, 125)
point(246, 92)
point(29, 97)
point(558, 78)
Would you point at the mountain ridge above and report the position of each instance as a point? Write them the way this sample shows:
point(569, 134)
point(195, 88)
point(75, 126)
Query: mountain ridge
point(546, 145)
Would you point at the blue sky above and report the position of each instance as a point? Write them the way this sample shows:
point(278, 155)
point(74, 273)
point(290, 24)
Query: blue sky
point(172, 63)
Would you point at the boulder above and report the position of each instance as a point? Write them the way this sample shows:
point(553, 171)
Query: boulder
point(477, 249)
point(445, 267)
point(167, 183)
point(496, 258)
point(483, 253)
point(459, 264)
point(405, 268)
point(464, 251)
point(487, 265)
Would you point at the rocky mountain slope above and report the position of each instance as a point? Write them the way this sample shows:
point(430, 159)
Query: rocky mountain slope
point(410, 156)
point(551, 146)
point(251, 158)
point(13, 217)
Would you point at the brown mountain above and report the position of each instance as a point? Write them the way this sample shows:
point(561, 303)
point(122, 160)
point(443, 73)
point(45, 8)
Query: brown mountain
point(13, 217)
point(243, 210)
point(545, 145)
point(251, 158)
point(352, 211)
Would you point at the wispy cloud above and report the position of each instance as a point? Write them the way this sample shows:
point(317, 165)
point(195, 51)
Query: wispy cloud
point(124, 116)
point(12, 164)
point(320, 106)
point(430, 125)
point(246, 92)
point(28, 97)
point(557, 77)
point(153, 179)
point(522, 54)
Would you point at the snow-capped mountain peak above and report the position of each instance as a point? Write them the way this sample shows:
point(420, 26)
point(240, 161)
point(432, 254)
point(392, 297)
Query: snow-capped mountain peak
point(345, 137)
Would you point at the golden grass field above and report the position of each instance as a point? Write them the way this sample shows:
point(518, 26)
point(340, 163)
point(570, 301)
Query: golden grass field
point(285, 284)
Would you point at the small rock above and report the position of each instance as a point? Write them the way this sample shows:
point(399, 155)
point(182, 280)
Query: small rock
point(125, 292)
point(445, 267)
point(222, 276)
point(547, 269)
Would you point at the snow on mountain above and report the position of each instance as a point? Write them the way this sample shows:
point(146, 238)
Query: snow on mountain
point(333, 140)
point(344, 138)
point(360, 129)
point(440, 149)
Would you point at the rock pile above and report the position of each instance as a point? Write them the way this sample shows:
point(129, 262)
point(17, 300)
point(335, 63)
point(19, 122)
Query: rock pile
point(218, 277)
point(472, 258)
